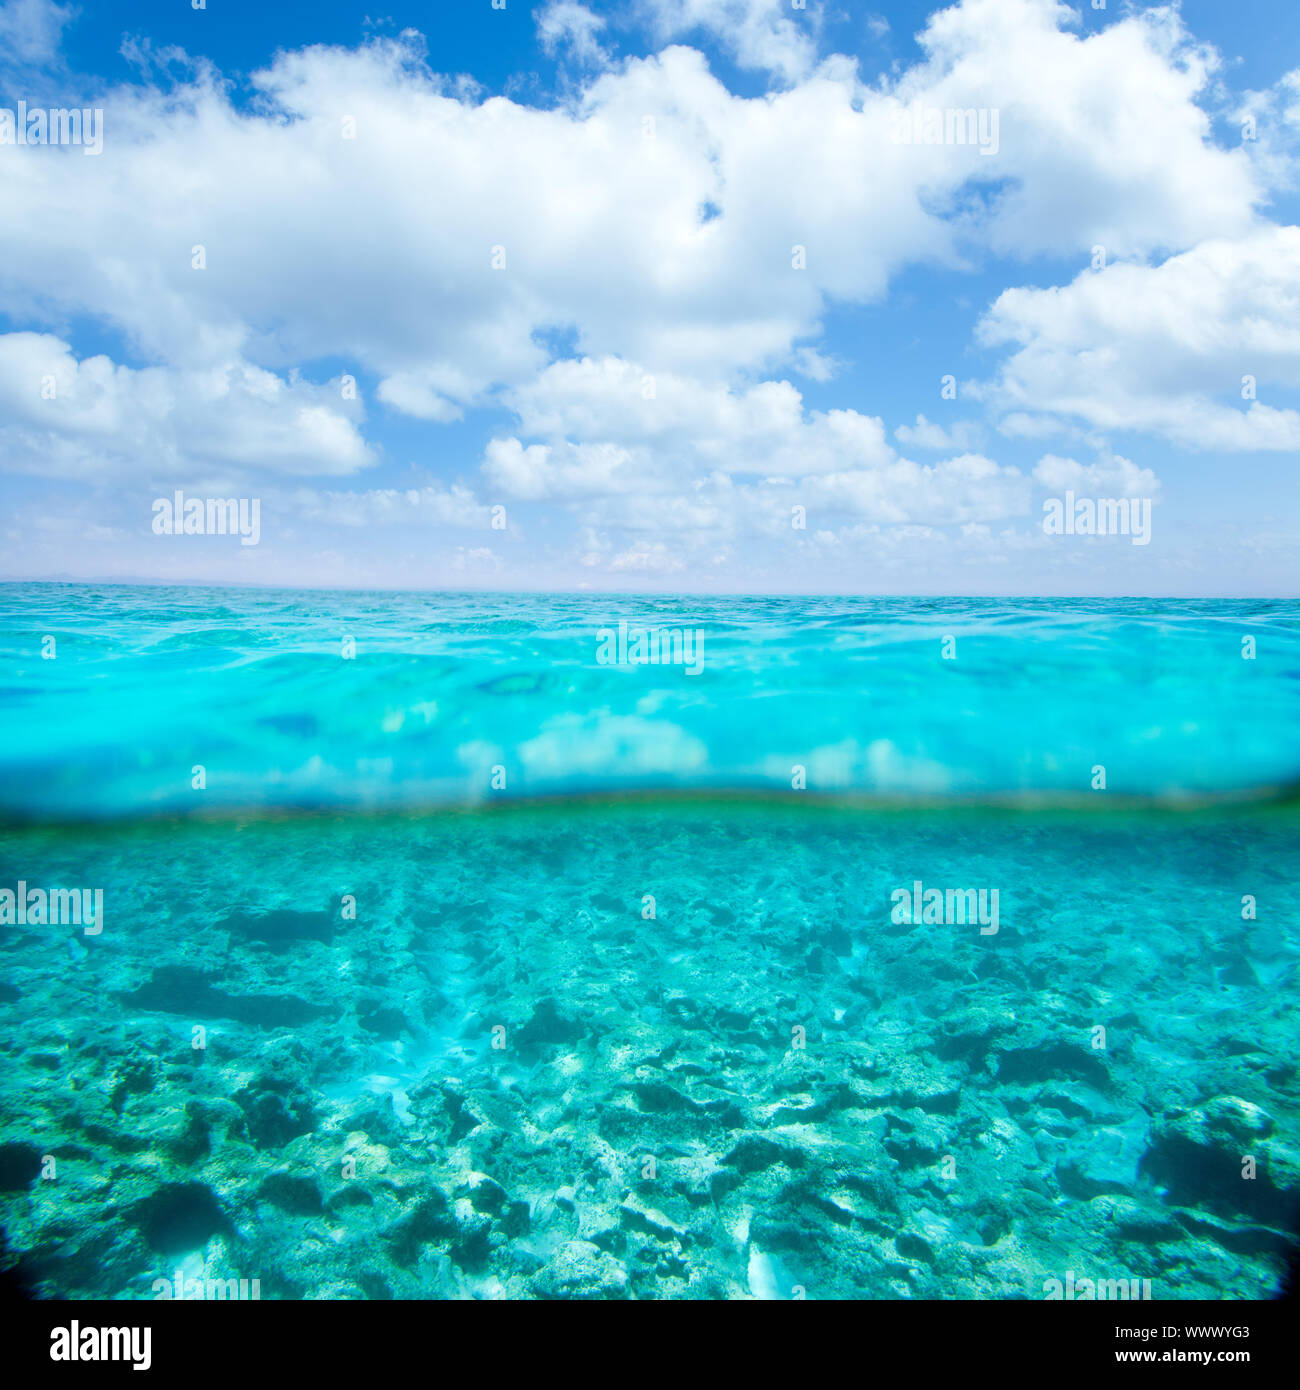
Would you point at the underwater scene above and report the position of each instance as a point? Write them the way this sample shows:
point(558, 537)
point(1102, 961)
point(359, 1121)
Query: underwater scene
point(520, 946)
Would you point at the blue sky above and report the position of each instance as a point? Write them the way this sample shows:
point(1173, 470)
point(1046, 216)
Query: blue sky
point(653, 294)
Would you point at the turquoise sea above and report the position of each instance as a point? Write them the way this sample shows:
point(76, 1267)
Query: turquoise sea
point(444, 949)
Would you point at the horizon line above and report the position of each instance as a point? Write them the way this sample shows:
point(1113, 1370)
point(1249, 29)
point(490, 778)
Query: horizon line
point(137, 583)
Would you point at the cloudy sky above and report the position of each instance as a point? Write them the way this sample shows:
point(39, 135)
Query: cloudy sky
point(654, 294)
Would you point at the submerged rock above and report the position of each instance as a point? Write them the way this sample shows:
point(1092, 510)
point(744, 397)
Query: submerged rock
point(579, 1269)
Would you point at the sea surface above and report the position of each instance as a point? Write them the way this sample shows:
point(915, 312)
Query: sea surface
point(446, 950)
